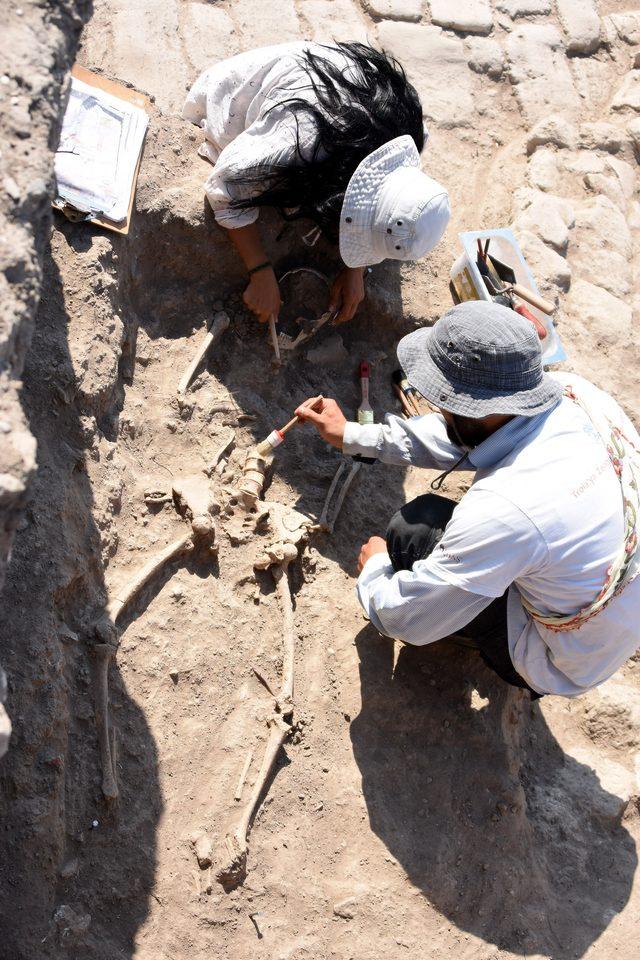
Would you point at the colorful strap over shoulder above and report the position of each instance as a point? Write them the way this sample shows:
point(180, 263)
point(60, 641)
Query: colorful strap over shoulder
point(625, 459)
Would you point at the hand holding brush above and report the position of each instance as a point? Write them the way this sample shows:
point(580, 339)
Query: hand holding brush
point(276, 437)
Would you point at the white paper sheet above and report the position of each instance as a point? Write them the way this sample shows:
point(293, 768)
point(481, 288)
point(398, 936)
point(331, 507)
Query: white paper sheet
point(100, 143)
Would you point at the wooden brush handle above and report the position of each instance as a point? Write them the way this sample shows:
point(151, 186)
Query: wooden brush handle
point(533, 298)
point(313, 404)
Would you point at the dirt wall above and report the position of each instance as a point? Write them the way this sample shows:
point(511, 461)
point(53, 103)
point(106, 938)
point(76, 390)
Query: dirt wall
point(37, 46)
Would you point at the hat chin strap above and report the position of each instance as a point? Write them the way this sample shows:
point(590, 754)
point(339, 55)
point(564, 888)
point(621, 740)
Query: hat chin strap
point(437, 482)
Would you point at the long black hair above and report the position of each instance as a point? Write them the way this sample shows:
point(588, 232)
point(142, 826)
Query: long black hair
point(357, 109)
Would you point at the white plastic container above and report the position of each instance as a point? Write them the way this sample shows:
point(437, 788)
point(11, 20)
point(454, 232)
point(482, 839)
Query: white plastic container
point(469, 285)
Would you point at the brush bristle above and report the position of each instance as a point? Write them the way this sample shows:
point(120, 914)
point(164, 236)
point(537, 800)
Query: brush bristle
point(264, 448)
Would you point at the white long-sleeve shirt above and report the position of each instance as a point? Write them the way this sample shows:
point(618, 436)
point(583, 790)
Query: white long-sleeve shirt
point(241, 105)
point(543, 518)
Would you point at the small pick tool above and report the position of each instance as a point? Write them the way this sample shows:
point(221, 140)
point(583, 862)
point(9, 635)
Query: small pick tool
point(276, 437)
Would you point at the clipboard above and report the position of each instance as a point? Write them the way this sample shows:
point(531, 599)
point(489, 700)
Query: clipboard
point(131, 96)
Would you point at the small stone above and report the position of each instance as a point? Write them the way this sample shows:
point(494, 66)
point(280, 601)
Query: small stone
point(204, 849)
point(633, 129)
point(69, 869)
point(409, 10)
point(176, 593)
point(11, 188)
point(554, 130)
point(345, 908)
point(626, 26)
point(66, 634)
point(95, 824)
point(465, 16)
point(601, 136)
point(486, 56)
point(628, 96)
point(524, 8)
point(174, 675)
point(581, 25)
point(72, 926)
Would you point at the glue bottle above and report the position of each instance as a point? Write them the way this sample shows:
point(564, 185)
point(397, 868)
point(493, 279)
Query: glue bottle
point(365, 410)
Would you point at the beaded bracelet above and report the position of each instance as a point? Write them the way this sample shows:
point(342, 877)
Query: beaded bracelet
point(261, 266)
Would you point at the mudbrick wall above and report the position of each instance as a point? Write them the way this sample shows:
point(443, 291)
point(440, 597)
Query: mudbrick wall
point(37, 44)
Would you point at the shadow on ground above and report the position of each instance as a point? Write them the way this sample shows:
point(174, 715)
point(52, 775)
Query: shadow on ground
point(51, 855)
point(470, 792)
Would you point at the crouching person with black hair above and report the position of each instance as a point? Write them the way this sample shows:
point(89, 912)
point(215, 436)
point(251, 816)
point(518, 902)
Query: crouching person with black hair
point(332, 134)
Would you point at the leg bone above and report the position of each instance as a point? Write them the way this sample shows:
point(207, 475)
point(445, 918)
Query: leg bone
point(233, 864)
point(145, 574)
point(219, 325)
point(103, 653)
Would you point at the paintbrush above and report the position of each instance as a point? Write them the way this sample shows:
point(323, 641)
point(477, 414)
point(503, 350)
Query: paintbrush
point(276, 437)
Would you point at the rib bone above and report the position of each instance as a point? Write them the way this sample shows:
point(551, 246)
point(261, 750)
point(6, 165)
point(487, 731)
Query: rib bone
point(218, 326)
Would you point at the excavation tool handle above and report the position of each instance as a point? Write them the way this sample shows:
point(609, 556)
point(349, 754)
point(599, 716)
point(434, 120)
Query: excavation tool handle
point(533, 298)
point(541, 330)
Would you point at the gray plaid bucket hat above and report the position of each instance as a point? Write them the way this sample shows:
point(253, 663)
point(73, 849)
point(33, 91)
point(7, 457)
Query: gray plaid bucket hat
point(479, 358)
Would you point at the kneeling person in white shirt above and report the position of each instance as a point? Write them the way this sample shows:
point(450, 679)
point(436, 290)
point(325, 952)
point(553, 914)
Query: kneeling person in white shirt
point(327, 132)
point(538, 562)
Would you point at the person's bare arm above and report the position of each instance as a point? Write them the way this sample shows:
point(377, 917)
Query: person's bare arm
point(347, 293)
point(262, 295)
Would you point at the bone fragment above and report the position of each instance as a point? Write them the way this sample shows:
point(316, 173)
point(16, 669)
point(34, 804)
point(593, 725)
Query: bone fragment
point(243, 776)
point(218, 326)
point(217, 461)
point(327, 503)
point(343, 492)
point(103, 653)
point(253, 476)
point(153, 496)
point(118, 602)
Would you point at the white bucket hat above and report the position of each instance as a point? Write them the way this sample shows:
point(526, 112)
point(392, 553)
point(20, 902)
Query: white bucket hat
point(391, 209)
